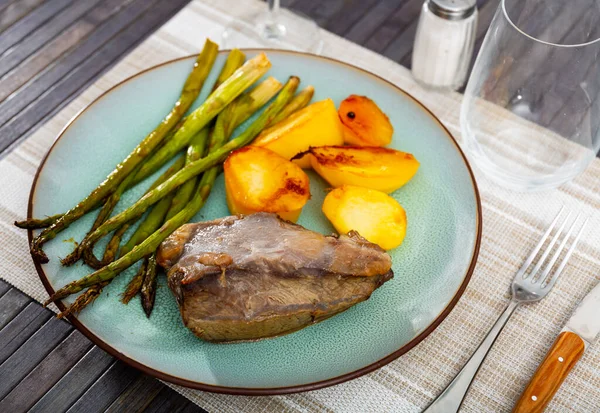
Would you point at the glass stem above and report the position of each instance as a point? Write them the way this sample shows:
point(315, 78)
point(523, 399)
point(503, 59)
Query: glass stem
point(274, 6)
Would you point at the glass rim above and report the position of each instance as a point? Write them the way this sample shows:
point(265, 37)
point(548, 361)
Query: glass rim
point(539, 40)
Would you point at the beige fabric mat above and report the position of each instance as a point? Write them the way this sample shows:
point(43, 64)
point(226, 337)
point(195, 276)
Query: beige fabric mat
point(512, 224)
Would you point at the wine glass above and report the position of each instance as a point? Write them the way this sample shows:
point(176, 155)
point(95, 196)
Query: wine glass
point(531, 114)
point(274, 28)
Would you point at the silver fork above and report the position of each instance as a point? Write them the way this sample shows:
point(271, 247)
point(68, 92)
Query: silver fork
point(527, 287)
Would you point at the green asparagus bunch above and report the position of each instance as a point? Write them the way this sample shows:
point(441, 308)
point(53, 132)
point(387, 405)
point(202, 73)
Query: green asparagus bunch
point(208, 165)
point(234, 61)
point(217, 101)
point(190, 92)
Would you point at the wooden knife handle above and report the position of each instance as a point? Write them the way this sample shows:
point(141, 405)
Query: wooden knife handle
point(562, 357)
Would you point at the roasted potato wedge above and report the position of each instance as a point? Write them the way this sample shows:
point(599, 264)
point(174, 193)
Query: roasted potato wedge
point(257, 179)
point(316, 125)
point(370, 167)
point(366, 124)
point(374, 215)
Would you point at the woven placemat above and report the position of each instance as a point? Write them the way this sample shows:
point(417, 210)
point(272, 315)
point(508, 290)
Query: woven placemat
point(512, 224)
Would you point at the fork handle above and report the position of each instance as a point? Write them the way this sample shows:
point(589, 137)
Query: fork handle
point(562, 357)
point(451, 399)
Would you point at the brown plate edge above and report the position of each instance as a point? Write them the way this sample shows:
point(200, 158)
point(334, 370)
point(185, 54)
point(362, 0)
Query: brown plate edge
point(276, 390)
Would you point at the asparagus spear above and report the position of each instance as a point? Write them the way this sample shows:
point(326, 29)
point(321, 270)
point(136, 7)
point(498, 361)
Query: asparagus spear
point(113, 245)
point(103, 215)
point(34, 223)
point(184, 193)
point(194, 152)
point(135, 285)
point(88, 250)
point(153, 221)
point(298, 102)
point(150, 244)
point(83, 300)
point(148, 290)
point(190, 92)
point(234, 61)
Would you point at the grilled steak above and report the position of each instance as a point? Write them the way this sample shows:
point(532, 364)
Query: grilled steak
point(256, 276)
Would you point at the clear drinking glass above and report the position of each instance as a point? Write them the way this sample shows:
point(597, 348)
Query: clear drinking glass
point(274, 28)
point(531, 113)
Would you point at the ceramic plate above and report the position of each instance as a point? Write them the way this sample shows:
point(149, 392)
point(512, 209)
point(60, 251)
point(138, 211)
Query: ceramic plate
point(432, 267)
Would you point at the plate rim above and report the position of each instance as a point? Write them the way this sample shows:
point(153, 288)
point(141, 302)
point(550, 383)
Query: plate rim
point(249, 391)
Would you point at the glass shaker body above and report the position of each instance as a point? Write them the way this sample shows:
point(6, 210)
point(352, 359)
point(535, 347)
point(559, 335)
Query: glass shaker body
point(443, 47)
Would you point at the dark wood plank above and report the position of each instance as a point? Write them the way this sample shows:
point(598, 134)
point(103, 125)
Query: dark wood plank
point(322, 12)
point(30, 22)
point(64, 89)
point(49, 55)
point(372, 20)
point(4, 4)
point(137, 396)
point(192, 408)
point(169, 401)
point(305, 7)
point(4, 287)
point(46, 373)
point(400, 49)
point(287, 3)
point(11, 304)
point(43, 34)
point(106, 389)
point(394, 26)
point(31, 353)
point(20, 328)
point(347, 16)
point(319, 11)
point(107, 9)
point(108, 27)
point(75, 383)
point(14, 11)
point(45, 57)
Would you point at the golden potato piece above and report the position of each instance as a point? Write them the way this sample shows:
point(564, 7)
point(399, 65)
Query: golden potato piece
point(257, 179)
point(366, 124)
point(316, 125)
point(371, 167)
point(374, 215)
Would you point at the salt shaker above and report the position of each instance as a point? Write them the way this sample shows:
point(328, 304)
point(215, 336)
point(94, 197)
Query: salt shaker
point(444, 43)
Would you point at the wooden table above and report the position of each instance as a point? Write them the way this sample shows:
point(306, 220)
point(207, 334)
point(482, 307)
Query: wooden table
point(50, 51)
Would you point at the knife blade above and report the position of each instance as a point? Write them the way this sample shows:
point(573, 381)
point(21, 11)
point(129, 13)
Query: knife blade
point(585, 321)
point(581, 331)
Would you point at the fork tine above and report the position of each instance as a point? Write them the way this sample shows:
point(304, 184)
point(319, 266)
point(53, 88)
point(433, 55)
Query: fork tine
point(537, 248)
point(548, 250)
point(558, 251)
point(567, 255)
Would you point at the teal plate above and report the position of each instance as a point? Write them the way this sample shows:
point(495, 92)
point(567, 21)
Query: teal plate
point(432, 267)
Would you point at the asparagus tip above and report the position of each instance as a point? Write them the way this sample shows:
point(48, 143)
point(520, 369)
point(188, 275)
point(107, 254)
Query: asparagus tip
point(37, 254)
point(72, 258)
point(90, 259)
point(147, 308)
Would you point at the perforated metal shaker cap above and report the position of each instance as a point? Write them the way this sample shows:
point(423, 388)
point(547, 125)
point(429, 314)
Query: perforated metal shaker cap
point(452, 9)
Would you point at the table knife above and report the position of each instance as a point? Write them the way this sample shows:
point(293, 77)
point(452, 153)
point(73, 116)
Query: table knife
point(580, 332)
